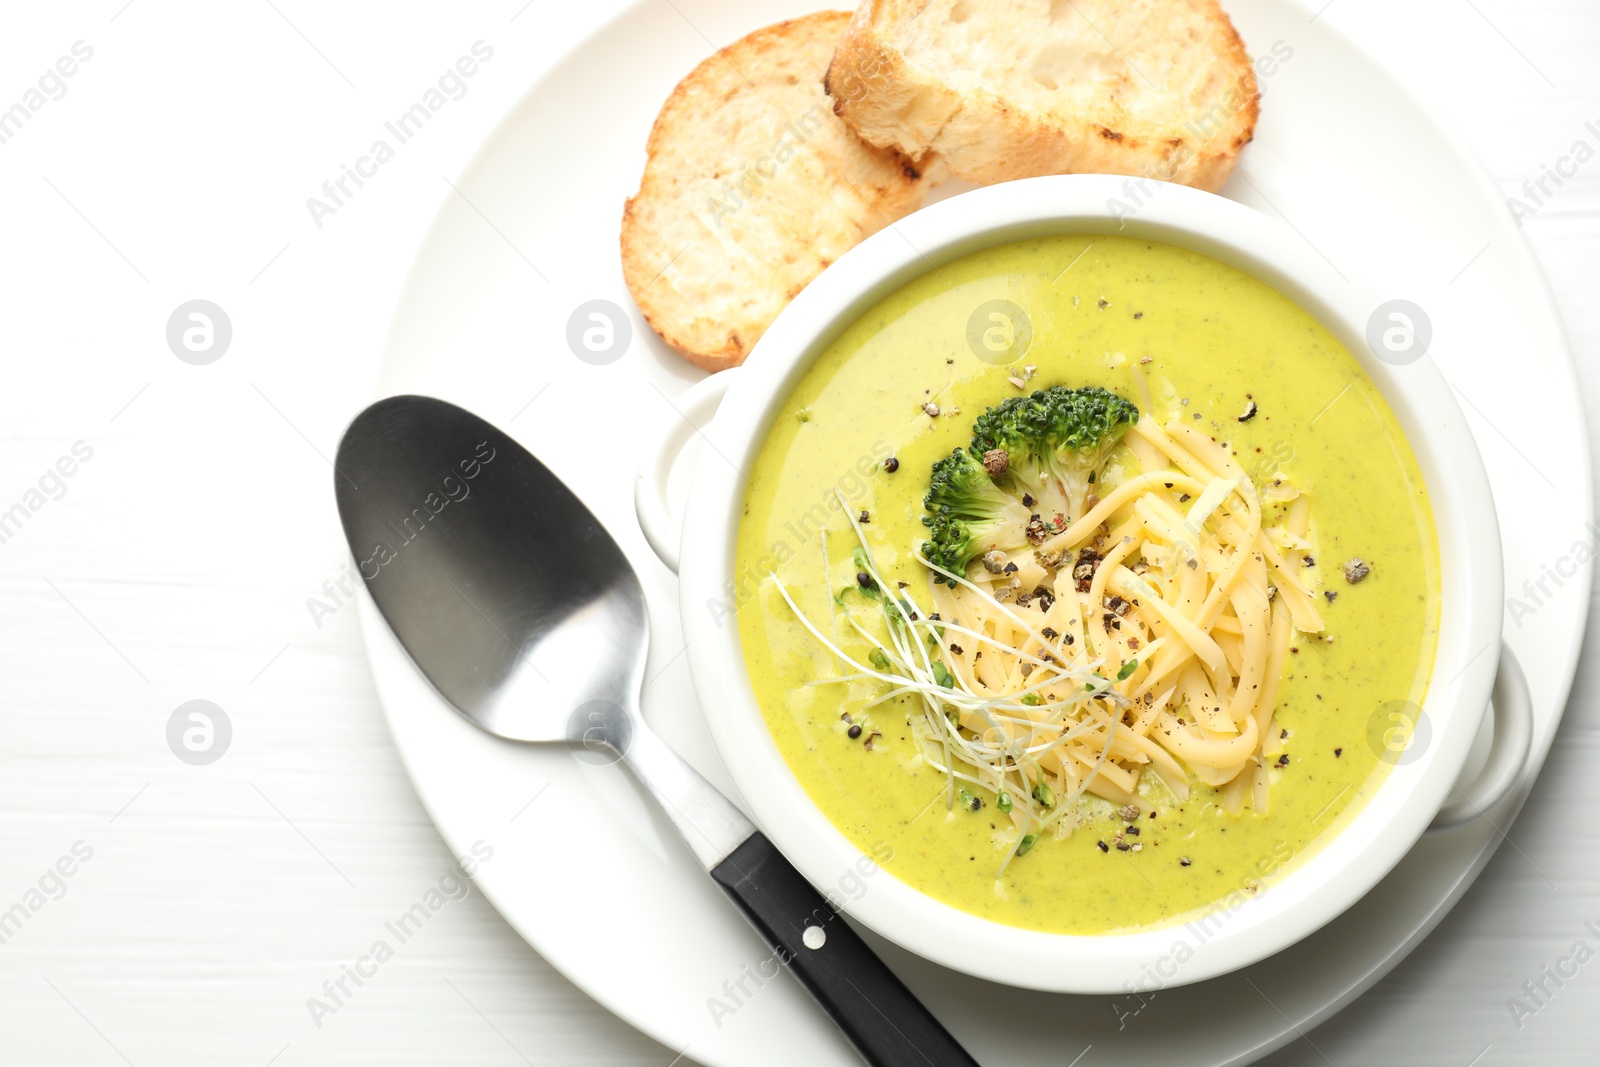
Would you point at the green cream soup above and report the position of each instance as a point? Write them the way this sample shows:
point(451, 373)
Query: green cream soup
point(1209, 340)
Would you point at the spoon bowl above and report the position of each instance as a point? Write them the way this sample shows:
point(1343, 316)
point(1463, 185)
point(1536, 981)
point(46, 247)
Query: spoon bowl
point(442, 514)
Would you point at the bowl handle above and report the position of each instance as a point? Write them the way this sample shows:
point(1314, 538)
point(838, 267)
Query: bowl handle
point(662, 526)
point(1513, 737)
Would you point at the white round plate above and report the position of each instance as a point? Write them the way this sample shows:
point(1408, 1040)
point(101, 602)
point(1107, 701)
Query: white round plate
point(591, 875)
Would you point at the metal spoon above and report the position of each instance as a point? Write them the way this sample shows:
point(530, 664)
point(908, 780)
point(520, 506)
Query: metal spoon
point(524, 614)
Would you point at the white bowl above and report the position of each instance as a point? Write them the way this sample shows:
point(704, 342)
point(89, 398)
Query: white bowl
point(1250, 927)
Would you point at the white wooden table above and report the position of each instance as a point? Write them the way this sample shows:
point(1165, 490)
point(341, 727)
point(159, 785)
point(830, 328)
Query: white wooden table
point(177, 561)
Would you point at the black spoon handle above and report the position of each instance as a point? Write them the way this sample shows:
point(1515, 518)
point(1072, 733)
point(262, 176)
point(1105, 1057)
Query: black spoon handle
point(888, 1026)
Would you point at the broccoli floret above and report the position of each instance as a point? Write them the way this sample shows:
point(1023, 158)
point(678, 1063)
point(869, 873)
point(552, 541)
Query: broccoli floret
point(1020, 427)
point(1057, 441)
point(968, 514)
point(1087, 424)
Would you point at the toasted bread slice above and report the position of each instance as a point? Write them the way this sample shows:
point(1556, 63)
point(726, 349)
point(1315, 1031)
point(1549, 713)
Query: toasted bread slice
point(1007, 89)
point(751, 188)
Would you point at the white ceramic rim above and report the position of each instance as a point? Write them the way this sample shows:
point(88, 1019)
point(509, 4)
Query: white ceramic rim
point(1320, 887)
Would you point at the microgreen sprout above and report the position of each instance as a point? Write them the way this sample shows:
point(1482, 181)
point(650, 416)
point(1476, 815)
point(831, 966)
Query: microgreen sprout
point(983, 741)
